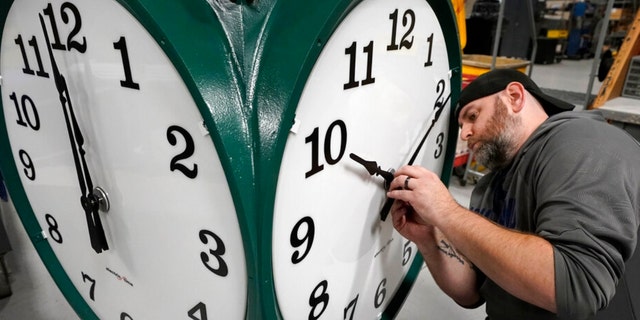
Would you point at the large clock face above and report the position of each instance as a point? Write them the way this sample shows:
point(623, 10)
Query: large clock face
point(380, 85)
point(118, 168)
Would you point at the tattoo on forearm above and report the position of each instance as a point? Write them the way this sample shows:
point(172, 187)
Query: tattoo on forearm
point(450, 251)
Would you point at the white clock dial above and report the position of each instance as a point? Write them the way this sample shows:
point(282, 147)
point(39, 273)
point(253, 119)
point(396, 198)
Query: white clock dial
point(173, 245)
point(380, 84)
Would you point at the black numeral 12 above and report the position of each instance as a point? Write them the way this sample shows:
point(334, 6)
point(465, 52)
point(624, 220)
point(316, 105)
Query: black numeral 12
point(404, 42)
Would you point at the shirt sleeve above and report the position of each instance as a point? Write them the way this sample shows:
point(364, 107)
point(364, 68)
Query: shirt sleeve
point(586, 190)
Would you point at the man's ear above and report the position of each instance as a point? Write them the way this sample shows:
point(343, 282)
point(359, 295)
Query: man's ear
point(516, 94)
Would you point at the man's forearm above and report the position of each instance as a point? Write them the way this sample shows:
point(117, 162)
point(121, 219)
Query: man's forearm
point(520, 263)
point(453, 273)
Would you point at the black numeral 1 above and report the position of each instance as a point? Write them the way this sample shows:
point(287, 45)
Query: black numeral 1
point(128, 82)
point(430, 41)
point(351, 52)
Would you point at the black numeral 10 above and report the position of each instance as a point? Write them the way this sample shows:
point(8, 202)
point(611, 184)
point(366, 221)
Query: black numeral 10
point(329, 155)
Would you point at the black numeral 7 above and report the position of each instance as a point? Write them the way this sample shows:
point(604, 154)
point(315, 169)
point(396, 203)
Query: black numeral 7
point(85, 278)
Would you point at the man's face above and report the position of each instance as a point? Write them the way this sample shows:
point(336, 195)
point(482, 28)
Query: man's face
point(491, 132)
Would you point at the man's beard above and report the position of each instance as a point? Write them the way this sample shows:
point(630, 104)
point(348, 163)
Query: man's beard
point(498, 150)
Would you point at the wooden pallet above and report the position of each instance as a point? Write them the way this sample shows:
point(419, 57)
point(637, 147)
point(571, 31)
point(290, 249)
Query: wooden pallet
point(612, 85)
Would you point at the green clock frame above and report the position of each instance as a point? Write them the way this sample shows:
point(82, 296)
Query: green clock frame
point(287, 56)
point(215, 90)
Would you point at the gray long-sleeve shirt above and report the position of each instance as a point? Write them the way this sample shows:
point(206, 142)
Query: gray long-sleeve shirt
point(576, 183)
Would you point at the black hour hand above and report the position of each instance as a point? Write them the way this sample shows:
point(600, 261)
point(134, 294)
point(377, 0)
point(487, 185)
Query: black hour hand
point(373, 169)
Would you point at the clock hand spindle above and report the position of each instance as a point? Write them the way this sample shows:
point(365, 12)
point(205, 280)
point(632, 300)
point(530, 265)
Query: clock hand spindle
point(88, 199)
point(384, 212)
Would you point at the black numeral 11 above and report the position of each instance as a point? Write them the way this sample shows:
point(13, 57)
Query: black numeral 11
point(351, 52)
point(27, 69)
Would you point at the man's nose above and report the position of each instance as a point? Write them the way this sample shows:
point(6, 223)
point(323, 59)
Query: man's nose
point(465, 132)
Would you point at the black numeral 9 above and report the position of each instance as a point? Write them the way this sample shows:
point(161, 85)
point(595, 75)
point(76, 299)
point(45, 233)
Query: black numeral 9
point(29, 170)
point(297, 241)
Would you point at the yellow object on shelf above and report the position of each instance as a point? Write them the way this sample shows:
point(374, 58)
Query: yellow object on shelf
point(477, 64)
point(557, 34)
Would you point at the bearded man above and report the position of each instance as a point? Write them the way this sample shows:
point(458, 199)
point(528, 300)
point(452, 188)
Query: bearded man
point(550, 227)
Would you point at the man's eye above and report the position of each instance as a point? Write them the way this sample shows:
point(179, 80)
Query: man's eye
point(473, 116)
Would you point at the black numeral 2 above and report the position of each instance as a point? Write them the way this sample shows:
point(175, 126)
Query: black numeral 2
point(185, 154)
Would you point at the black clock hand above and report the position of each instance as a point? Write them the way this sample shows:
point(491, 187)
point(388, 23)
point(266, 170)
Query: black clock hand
point(89, 202)
point(373, 169)
point(384, 212)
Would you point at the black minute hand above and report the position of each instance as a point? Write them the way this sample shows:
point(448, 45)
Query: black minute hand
point(384, 212)
point(88, 200)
